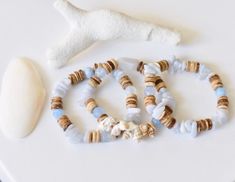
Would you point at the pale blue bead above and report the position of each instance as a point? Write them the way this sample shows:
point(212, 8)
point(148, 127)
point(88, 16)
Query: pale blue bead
point(117, 74)
point(100, 72)
point(130, 90)
point(89, 72)
point(149, 90)
point(97, 112)
point(57, 113)
point(156, 123)
point(106, 137)
point(220, 92)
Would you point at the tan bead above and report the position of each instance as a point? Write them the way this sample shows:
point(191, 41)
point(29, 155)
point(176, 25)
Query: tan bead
point(102, 117)
point(223, 102)
point(163, 65)
point(98, 65)
point(94, 137)
point(150, 80)
point(90, 104)
point(166, 119)
point(204, 124)
point(131, 101)
point(140, 67)
point(149, 100)
point(113, 64)
point(147, 129)
point(159, 83)
point(64, 122)
point(192, 66)
point(94, 81)
point(215, 81)
point(77, 77)
point(56, 103)
point(125, 81)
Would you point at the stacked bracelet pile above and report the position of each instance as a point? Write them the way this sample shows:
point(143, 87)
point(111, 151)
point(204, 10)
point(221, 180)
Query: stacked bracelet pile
point(158, 102)
point(162, 111)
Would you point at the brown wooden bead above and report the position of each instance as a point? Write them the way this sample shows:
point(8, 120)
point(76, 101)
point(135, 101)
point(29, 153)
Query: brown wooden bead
point(94, 137)
point(204, 124)
point(56, 103)
point(107, 67)
point(77, 77)
point(140, 67)
point(192, 66)
point(131, 101)
point(163, 65)
point(166, 118)
point(113, 63)
point(94, 81)
point(223, 102)
point(102, 117)
point(125, 81)
point(159, 83)
point(98, 65)
point(150, 80)
point(149, 100)
point(215, 81)
point(90, 104)
point(64, 122)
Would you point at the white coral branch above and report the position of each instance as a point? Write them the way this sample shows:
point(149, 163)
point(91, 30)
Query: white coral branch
point(87, 27)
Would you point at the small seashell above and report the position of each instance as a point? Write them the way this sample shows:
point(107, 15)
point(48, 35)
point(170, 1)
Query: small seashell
point(22, 98)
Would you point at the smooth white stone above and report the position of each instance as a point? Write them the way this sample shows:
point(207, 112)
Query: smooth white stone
point(62, 88)
point(203, 72)
point(133, 114)
point(22, 98)
point(150, 108)
point(73, 135)
point(158, 111)
point(130, 90)
point(194, 129)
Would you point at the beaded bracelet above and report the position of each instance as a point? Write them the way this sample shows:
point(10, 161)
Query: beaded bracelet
point(162, 111)
point(129, 128)
point(69, 128)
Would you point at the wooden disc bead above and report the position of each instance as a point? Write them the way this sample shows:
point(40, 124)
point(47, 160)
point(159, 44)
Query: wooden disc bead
point(110, 65)
point(90, 104)
point(98, 65)
point(131, 101)
point(204, 124)
point(113, 63)
point(150, 80)
point(159, 83)
point(192, 66)
point(64, 122)
point(77, 77)
point(102, 117)
point(94, 137)
point(94, 81)
point(125, 81)
point(223, 102)
point(140, 67)
point(215, 81)
point(166, 118)
point(56, 103)
point(163, 65)
point(149, 100)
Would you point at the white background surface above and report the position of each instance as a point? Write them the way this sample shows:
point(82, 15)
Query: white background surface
point(29, 27)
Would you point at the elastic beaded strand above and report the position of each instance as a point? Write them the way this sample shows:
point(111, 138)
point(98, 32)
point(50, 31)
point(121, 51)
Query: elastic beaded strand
point(71, 131)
